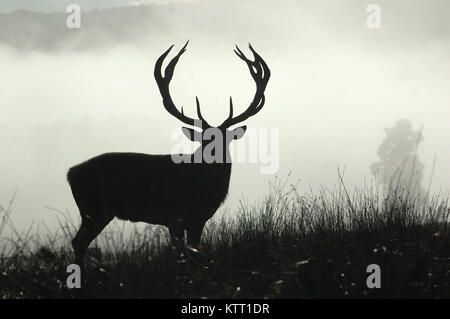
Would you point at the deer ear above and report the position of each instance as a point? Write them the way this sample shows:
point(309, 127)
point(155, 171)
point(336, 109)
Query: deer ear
point(190, 133)
point(238, 132)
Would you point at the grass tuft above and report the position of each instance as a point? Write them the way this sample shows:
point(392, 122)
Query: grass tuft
point(289, 245)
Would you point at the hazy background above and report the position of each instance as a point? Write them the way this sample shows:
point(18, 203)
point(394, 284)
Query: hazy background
point(69, 94)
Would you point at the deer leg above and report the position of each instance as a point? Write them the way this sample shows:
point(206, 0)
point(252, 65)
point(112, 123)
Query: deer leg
point(176, 231)
point(78, 245)
point(194, 234)
point(89, 229)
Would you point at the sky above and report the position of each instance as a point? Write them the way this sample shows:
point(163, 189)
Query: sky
point(69, 94)
point(61, 5)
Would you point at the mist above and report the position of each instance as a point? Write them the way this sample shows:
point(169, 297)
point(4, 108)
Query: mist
point(67, 95)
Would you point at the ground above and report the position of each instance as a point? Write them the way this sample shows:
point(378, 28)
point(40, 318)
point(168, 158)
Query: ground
point(288, 246)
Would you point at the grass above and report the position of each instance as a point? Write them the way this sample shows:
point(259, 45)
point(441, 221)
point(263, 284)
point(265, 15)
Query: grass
point(287, 246)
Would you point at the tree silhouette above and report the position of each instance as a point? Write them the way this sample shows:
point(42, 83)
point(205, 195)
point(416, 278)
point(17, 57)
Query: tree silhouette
point(399, 165)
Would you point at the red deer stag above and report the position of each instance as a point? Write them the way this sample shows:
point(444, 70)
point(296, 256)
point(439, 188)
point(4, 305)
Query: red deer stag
point(155, 189)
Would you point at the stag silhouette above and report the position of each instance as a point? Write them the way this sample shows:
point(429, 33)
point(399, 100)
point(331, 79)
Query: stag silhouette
point(154, 188)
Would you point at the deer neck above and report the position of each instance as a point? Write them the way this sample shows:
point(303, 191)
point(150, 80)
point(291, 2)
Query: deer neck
point(198, 157)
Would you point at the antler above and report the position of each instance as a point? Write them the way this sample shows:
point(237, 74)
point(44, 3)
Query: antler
point(163, 84)
point(260, 73)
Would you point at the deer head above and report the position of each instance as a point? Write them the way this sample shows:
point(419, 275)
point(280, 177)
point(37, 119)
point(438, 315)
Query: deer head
point(216, 139)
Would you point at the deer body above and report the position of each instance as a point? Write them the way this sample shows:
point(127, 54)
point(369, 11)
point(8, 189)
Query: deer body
point(155, 188)
point(149, 188)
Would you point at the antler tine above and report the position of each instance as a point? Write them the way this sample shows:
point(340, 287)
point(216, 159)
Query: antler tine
point(241, 55)
point(170, 68)
point(260, 73)
point(231, 108)
point(263, 65)
point(249, 63)
point(199, 113)
point(230, 115)
point(163, 85)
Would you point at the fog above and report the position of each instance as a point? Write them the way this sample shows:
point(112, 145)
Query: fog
point(69, 94)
